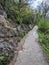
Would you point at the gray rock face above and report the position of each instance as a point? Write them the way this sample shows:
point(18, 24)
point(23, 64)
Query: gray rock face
point(8, 40)
point(10, 34)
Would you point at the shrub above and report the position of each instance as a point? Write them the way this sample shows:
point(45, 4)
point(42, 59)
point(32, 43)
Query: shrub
point(43, 24)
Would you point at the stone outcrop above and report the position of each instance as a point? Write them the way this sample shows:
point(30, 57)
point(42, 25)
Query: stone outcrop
point(8, 36)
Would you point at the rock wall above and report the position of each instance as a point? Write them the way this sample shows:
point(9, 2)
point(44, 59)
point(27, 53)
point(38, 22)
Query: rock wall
point(10, 34)
point(8, 40)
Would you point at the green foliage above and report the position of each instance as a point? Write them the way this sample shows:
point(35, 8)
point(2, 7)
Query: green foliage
point(43, 24)
point(19, 19)
point(28, 17)
point(5, 58)
point(44, 41)
point(18, 12)
point(1, 57)
point(41, 36)
point(43, 32)
point(22, 34)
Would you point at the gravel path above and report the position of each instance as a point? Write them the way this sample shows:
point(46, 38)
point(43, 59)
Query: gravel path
point(31, 53)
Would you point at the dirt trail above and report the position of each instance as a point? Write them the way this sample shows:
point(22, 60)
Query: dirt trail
point(31, 53)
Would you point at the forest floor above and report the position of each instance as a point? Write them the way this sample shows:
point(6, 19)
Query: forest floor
point(31, 54)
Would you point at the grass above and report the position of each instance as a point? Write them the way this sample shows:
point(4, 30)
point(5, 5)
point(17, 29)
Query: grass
point(43, 33)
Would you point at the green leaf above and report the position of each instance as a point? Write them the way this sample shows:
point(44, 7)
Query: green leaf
point(1, 57)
